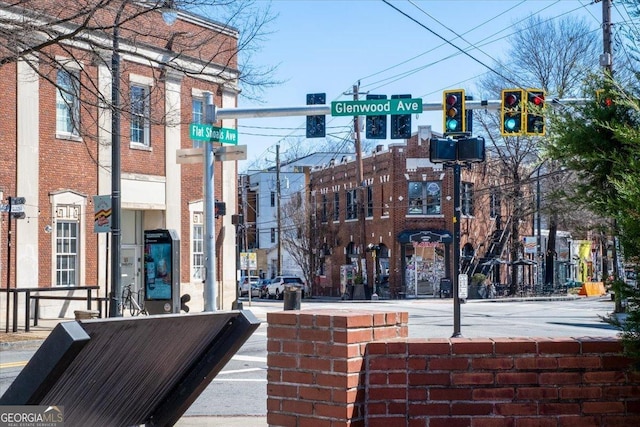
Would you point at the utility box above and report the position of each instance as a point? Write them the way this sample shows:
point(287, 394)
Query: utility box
point(161, 271)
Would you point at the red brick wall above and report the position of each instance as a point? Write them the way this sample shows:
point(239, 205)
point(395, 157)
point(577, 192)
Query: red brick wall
point(344, 368)
point(316, 364)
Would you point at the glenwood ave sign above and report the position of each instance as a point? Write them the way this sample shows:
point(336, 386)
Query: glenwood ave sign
point(377, 107)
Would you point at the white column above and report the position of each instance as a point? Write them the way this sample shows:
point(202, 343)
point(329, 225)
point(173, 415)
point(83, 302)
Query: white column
point(28, 160)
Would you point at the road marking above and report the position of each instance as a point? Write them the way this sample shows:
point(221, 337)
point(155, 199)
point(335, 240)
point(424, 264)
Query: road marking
point(239, 371)
point(249, 358)
point(12, 365)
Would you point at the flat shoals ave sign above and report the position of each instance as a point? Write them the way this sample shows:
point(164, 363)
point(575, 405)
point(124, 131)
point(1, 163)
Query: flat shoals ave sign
point(201, 132)
point(377, 107)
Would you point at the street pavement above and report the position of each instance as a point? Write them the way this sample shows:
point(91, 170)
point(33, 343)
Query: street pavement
point(567, 316)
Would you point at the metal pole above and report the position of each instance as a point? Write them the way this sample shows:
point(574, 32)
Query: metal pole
point(116, 288)
point(278, 214)
point(209, 215)
point(541, 273)
point(456, 249)
point(8, 266)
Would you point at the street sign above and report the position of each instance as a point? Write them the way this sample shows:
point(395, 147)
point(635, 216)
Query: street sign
point(17, 208)
point(4, 208)
point(201, 132)
point(221, 154)
point(18, 200)
point(376, 107)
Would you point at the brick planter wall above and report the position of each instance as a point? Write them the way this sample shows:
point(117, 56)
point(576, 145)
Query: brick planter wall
point(316, 364)
point(339, 368)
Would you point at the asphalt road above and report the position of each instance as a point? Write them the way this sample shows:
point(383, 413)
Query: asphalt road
point(240, 389)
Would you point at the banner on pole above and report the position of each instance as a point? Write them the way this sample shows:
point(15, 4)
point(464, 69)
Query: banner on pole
point(101, 214)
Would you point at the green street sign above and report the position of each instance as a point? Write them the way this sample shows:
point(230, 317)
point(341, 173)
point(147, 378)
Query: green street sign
point(377, 107)
point(209, 133)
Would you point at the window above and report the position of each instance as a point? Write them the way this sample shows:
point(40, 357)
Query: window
point(197, 116)
point(466, 199)
point(140, 115)
point(67, 103)
point(352, 204)
point(273, 235)
point(67, 248)
point(336, 206)
point(197, 248)
point(369, 202)
point(323, 215)
point(495, 203)
point(273, 198)
point(425, 198)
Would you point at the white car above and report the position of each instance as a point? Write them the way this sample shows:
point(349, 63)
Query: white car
point(245, 282)
point(275, 289)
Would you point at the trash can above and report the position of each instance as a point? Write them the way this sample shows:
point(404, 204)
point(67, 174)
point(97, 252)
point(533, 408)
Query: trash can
point(446, 288)
point(292, 296)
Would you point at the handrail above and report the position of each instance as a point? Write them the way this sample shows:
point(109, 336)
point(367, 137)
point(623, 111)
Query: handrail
point(28, 297)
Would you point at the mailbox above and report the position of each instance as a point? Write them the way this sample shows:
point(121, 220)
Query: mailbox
point(161, 271)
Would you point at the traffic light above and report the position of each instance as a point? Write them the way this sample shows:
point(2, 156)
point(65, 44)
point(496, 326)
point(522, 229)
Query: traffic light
point(511, 112)
point(220, 209)
point(316, 124)
point(534, 112)
point(454, 111)
point(603, 99)
point(376, 126)
point(400, 123)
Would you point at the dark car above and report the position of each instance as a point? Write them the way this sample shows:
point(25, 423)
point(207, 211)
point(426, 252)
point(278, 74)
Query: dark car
point(262, 285)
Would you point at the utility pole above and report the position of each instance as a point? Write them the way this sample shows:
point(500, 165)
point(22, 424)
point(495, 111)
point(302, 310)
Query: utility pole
point(360, 184)
point(278, 214)
point(606, 59)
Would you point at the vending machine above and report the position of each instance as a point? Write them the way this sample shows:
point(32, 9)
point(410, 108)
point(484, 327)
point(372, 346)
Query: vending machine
point(161, 271)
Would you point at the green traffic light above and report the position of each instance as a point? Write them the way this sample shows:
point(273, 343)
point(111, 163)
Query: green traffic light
point(510, 124)
point(452, 125)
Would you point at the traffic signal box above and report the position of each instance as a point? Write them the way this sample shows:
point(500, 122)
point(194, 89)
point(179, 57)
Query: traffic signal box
point(316, 124)
point(376, 126)
point(400, 123)
point(454, 111)
point(511, 112)
point(534, 111)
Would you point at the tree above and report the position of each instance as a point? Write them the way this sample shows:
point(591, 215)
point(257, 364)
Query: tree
point(298, 236)
point(37, 33)
point(550, 55)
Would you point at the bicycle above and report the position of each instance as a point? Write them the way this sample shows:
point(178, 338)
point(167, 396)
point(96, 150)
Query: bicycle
point(133, 300)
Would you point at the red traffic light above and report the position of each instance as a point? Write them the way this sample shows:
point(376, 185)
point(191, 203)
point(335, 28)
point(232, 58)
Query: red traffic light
point(537, 99)
point(451, 100)
point(511, 100)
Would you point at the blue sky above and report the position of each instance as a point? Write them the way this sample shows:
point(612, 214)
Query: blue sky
point(328, 46)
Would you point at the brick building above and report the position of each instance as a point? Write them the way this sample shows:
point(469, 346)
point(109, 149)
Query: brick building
point(396, 230)
point(55, 142)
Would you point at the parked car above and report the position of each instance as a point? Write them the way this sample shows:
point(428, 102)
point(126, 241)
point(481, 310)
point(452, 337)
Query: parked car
point(275, 289)
point(263, 287)
point(243, 287)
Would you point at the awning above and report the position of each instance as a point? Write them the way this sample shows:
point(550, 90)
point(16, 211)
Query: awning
point(428, 235)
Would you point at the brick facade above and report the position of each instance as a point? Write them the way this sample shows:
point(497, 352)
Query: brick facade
point(346, 368)
point(388, 174)
point(80, 165)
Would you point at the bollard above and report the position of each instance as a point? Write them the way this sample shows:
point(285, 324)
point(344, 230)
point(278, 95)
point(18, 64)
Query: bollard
point(292, 296)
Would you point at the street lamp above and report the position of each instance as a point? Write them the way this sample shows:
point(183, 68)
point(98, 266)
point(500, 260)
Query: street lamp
point(169, 15)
